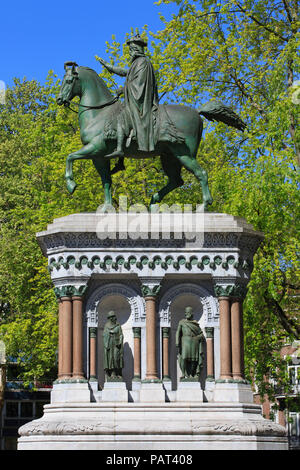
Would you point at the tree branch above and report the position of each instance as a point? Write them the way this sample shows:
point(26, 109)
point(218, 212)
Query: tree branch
point(253, 18)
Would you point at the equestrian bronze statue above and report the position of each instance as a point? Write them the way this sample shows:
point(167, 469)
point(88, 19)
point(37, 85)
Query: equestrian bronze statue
point(139, 127)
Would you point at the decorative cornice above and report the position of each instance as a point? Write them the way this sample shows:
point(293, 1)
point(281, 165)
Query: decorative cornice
point(120, 262)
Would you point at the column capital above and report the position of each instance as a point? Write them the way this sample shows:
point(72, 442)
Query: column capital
point(209, 330)
point(136, 331)
point(230, 291)
point(70, 291)
point(150, 290)
point(93, 332)
point(166, 332)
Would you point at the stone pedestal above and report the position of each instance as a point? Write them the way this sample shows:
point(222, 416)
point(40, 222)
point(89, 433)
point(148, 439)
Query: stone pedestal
point(152, 426)
point(114, 392)
point(71, 392)
point(232, 392)
point(189, 391)
point(148, 280)
point(152, 393)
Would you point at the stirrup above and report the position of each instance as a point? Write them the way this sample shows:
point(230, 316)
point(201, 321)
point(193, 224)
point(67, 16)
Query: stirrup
point(116, 153)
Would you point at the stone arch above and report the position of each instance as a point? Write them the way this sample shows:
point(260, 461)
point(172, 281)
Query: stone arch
point(137, 303)
point(130, 311)
point(208, 302)
point(171, 310)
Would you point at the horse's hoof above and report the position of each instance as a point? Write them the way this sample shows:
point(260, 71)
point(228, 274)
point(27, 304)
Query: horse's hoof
point(208, 203)
point(154, 199)
point(71, 185)
point(106, 208)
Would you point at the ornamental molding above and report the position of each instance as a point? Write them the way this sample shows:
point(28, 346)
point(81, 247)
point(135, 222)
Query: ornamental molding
point(40, 427)
point(90, 263)
point(89, 240)
point(242, 427)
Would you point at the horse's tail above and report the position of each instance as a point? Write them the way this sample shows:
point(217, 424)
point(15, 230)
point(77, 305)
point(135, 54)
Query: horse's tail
point(217, 111)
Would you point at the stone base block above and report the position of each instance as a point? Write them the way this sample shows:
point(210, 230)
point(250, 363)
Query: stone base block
point(189, 391)
point(114, 392)
point(152, 426)
point(70, 392)
point(152, 392)
point(232, 392)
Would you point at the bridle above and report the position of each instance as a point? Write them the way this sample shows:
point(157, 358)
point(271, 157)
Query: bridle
point(100, 106)
point(75, 76)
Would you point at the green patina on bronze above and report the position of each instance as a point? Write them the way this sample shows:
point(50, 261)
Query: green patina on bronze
point(189, 341)
point(139, 128)
point(113, 348)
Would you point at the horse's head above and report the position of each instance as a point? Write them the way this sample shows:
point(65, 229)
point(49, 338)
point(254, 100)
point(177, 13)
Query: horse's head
point(70, 85)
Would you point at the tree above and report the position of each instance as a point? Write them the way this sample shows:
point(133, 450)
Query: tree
point(35, 138)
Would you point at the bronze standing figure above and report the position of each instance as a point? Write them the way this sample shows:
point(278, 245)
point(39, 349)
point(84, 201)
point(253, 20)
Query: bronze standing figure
point(113, 347)
point(189, 338)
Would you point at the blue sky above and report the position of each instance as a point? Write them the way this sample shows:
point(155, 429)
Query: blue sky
point(37, 36)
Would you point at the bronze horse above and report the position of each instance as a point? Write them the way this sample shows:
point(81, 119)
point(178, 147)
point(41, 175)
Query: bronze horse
point(96, 112)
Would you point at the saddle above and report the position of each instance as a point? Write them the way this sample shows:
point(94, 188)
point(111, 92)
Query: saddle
point(164, 128)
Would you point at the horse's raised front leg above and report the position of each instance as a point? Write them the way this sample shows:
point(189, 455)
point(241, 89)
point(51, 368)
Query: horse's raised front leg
point(84, 153)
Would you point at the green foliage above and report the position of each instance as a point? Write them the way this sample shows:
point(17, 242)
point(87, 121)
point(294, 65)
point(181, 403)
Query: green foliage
point(245, 53)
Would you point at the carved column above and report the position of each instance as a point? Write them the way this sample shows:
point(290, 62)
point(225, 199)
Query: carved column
point(77, 299)
point(225, 339)
point(165, 347)
point(67, 340)
point(150, 293)
point(237, 339)
point(137, 353)
point(231, 331)
point(210, 353)
point(70, 340)
point(77, 338)
point(60, 336)
point(93, 353)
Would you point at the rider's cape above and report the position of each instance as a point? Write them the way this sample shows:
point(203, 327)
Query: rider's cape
point(141, 102)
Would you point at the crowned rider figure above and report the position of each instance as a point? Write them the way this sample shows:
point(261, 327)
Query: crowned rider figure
point(141, 99)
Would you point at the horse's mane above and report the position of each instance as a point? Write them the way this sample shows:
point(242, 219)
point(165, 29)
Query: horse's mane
point(94, 75)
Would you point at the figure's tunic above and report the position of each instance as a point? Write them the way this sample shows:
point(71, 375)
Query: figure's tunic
point(189, 336)
point(113, 346)
point(141, 101)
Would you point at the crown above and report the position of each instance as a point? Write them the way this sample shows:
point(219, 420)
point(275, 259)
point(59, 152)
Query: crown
point(137, 40)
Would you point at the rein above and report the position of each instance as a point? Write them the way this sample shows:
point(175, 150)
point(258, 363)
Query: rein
point(100, 106)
